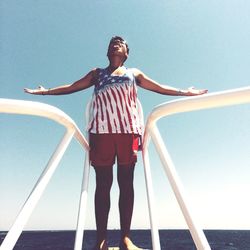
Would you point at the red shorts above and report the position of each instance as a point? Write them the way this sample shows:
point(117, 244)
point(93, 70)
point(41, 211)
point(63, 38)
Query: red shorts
point(104, 148)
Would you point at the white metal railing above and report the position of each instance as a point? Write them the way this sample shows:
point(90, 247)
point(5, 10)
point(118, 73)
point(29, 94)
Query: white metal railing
point(53, 113)
point(214, 100)
point(219, 99)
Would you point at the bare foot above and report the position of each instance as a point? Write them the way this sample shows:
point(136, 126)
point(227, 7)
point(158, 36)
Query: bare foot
point(127, 244)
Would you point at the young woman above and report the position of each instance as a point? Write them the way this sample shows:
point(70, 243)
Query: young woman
point(115, 130)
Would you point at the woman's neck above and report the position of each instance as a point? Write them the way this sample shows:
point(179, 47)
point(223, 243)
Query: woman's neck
point(112, 68)
point(115, 64)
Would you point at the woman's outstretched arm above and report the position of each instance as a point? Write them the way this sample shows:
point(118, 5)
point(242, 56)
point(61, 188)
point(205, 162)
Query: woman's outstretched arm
point(149, 84)
point(85, 82)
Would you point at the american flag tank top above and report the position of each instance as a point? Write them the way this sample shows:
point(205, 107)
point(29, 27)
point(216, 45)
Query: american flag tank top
point(114, 104)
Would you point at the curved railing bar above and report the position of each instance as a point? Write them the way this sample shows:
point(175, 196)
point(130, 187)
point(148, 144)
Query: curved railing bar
point(43, 110)
point(213, 100)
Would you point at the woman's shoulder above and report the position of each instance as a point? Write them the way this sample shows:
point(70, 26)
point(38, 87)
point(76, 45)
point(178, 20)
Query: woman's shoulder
point(135, 71)
point(96, 72)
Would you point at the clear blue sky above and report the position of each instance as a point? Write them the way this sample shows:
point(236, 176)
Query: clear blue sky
point(179, 43)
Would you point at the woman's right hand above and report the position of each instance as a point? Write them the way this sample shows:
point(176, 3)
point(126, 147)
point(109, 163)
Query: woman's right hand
point(39, 91)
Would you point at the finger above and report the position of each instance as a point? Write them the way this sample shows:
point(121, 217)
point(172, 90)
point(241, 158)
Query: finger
point(204, 91)
point(26, 90)
point(29, 91)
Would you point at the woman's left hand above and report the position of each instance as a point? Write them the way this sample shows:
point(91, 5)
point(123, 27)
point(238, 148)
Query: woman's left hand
point(191, 91)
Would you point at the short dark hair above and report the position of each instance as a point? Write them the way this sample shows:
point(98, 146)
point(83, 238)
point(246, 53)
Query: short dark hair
point(120, 39)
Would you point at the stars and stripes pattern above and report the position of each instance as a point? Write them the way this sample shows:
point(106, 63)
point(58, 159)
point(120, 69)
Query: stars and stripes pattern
point(114, 104)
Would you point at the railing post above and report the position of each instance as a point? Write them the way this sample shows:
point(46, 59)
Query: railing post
point(23, 216)
point(197, 234)
point(82, 205)
point(150, 195)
